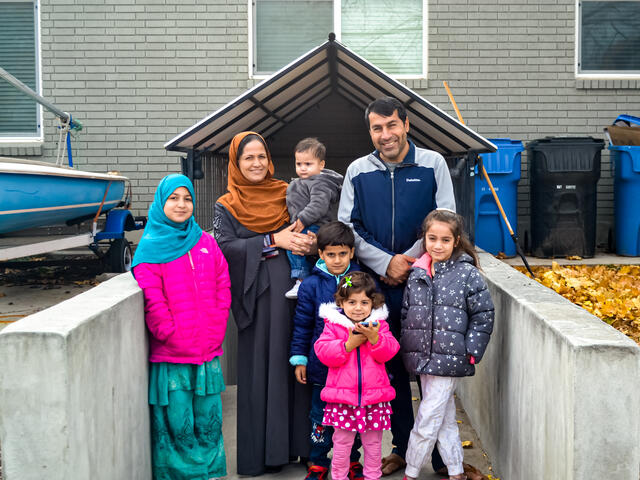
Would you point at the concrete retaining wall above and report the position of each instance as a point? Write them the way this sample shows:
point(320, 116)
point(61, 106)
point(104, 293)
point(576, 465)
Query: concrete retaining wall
point(73, 389)
point(557, 393)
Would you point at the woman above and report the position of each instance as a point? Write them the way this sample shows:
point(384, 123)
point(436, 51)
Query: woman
point(185, 281)
point(251, 225)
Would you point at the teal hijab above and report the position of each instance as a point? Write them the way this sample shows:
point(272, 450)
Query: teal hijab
point(164, 240)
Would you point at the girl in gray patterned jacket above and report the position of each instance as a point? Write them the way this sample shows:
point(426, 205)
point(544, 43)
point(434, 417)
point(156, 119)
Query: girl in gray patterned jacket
point(447, 318)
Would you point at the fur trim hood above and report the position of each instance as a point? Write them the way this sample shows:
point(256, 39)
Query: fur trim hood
point(331, 312)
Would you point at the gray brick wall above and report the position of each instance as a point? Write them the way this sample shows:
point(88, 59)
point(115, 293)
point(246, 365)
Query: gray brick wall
point(510, 65)
point(138, 74)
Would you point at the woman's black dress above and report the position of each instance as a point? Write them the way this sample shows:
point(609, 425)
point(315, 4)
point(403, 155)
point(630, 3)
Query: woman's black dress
point(273, 408)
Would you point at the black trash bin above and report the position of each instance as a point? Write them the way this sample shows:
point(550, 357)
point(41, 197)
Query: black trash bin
point(564, 173)
point(463, 178)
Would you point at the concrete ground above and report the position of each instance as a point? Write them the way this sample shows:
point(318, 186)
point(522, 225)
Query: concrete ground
point(473, 455)
point(18, 300)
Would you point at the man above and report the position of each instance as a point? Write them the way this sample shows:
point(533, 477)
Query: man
point(385, 197)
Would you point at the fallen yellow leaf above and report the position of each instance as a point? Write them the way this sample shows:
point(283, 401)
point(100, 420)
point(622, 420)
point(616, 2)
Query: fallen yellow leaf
point(467, 444)
point(609, 292)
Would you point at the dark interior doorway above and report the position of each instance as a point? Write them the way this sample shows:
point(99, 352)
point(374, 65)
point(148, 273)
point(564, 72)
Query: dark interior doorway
point(336, 123)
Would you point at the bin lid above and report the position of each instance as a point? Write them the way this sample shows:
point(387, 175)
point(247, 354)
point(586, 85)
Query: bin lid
point(507, 142)
point(566, 154)
point(564, 142)
point(627, 121)
point(502, 161)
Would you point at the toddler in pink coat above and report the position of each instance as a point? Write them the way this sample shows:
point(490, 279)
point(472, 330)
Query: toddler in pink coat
point(355, 344)
point(185, 281)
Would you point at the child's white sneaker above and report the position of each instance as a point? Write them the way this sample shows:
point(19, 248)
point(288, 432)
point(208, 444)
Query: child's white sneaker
point(293, 293)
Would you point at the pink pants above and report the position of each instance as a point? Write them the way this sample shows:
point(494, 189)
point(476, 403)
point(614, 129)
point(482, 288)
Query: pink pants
point(372, 445)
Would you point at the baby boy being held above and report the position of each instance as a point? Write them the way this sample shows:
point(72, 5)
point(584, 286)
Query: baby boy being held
point(312, 199)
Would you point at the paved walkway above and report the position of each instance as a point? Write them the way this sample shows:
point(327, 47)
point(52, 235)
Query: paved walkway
point(474, 455)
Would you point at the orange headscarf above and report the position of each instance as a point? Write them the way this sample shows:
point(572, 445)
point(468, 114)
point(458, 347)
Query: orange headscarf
point(260, 207)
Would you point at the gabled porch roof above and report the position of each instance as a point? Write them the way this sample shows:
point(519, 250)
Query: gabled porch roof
point(329, 68)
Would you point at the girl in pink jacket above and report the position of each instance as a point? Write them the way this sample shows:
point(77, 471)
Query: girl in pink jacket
point(355, 344)
point(185, 281)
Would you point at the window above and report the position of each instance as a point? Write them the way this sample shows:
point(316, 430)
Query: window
point(388, 33)
point(608, 38)
point(20, 115)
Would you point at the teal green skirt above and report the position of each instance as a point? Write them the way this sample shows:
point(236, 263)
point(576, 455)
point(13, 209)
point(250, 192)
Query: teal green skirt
point(186, 421)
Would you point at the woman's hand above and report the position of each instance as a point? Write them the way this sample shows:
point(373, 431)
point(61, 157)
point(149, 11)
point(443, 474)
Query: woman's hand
point(298, 243)
point(370, 332)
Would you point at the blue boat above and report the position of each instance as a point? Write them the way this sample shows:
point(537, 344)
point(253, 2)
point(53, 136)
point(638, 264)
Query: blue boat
point(38, 194)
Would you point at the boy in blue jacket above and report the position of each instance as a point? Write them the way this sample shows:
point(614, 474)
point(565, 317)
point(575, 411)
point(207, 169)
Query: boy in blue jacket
point(335, 247)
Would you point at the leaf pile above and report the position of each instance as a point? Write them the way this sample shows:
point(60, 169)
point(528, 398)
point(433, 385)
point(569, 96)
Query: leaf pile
point(610, 292)
point(51, 277)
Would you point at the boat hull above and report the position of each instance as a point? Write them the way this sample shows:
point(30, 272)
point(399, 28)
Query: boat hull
point(38, 196)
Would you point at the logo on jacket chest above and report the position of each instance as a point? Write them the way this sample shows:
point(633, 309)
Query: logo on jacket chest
point(413, 180)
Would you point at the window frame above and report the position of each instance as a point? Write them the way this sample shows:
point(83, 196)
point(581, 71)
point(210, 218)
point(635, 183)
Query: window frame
point(593, 75)
point(38, 138)
point(337, 23)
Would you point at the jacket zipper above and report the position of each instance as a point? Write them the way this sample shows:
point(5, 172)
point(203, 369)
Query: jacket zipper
point(359, 377)
point(393, 214)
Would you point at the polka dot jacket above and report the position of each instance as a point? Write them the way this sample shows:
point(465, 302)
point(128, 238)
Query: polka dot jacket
point(445, 318)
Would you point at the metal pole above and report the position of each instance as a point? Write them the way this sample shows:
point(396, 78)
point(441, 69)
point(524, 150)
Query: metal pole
point(42, 101)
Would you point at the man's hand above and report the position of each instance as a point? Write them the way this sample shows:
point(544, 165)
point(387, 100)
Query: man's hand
point(398, 269)
point(301, 373)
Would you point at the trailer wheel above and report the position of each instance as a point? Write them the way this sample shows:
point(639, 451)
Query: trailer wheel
point(119, 256)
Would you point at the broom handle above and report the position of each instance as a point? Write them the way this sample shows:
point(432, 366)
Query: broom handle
point(483, 170)
point(495, 195)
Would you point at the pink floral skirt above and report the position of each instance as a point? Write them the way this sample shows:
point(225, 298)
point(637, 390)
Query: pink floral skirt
point(358, 419)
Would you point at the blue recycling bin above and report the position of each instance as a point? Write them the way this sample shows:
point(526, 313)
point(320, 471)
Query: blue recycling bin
point(503, 167)
point(625, 162)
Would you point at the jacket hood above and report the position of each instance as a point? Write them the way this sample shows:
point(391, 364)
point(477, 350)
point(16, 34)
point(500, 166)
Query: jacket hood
point(332, 176)
point(331, 312)
point(424, 262)
point(321, 268)
point(462, 258)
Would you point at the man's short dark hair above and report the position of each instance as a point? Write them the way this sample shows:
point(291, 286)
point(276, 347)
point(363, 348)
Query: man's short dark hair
point(385, 106)
point(335, 234)
point(313, 145)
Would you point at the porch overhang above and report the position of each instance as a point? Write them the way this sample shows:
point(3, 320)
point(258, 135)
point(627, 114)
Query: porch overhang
point(329, 68)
